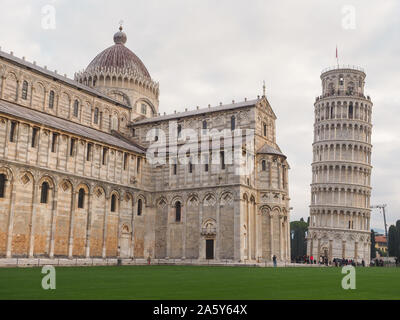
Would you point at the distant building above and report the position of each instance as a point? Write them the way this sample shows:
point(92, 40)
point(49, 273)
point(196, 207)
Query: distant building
point(381, 243)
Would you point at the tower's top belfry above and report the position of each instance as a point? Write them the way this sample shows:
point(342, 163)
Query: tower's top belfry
point(343, 81)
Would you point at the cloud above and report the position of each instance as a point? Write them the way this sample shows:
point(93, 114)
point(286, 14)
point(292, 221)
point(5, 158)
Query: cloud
point(207, 52)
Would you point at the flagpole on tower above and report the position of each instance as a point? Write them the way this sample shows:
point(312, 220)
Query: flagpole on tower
point(337, 57)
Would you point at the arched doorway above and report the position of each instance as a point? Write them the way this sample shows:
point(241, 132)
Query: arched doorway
point(209, 249)
point(209, 231)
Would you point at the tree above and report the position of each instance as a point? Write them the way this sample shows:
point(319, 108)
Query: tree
point(392, 249)
point(373, 250)
point(298, 241)
point(397, 246)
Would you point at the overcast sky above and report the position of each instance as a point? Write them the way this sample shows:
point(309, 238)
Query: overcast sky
point(205, 52)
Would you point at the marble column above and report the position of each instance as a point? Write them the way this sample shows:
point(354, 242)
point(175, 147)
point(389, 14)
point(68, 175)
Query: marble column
point(280, 238)
point(53, 222)
point(104, 251)
point(71, 225)
point(271, 230)
point(10, 220)
point(32, 220)
point(88, 224)
point(183, 210)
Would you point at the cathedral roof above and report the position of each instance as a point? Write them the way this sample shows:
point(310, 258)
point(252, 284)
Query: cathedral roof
point(118, 58)
point(54, 75)
point(66, 126)
point(196, 112)
point(267, 149)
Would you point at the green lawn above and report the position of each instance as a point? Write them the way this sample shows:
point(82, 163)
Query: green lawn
point(198, 282)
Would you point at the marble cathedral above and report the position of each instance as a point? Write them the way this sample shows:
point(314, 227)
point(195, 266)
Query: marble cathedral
point(75, 180)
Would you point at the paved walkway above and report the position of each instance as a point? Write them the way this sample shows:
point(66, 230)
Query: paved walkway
point(36, 262)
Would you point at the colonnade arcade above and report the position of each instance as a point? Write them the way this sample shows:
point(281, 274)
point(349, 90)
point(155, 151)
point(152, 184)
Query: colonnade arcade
point(340, 195)
point(343, 110)
point(336, 130)
point(342, 151)
point(340, 173)
point(340, 219)
point(58, 215)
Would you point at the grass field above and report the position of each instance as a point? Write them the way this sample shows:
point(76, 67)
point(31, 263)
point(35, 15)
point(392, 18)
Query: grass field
point(198, 282)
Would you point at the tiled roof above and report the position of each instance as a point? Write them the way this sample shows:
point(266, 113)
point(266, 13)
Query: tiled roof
point(59, 77)
point(118, 57)
point(65, 125)
point(380, 239)
point(270, 150)
point(225, 107)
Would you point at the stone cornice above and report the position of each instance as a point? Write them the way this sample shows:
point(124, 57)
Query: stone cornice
point(342, 121)
point(335, 163)
point(328, 185)
point(344, 98)
point(340, 162)
point(338, 208)
point(341, 142)
point(52, 172)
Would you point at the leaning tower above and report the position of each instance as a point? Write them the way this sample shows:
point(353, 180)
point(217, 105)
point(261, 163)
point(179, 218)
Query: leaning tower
point(341, 168)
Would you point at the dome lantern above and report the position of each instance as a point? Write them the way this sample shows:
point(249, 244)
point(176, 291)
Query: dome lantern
point(120, 37)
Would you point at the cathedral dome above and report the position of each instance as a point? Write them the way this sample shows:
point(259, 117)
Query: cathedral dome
point(118, 58)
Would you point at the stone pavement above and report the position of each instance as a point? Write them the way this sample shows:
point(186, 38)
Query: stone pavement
point(37, 262)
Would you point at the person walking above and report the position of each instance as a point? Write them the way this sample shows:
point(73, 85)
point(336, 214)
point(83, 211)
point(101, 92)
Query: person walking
point(274, 260)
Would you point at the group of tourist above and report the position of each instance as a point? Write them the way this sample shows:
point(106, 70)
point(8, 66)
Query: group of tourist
point(323, 260)
point(340, 262)
point(377, 263)
point(347, 262)
point(305, 259)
